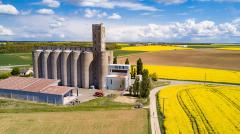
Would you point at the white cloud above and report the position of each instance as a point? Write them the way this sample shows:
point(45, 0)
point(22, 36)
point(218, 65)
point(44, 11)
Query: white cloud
point(169, 2)
point(45, 11)
point(113, 3)
point(79, 29)
point(187, 30)
point(25, 12)
point(51, 3)
point(94, 13)
point(5, 31)
point(115, 16)
point(59, 22)
point(227, 0)
point(8, 9)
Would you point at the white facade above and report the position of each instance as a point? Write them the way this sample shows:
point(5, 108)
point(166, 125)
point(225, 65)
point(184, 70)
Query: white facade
point(118, 77)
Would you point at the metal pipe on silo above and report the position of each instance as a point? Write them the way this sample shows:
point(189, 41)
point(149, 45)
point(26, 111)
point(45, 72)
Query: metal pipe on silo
point(65, 55)
point(45, 63)
point(103, 69)
point(35, 55)
point(74, 70)
point(55, 56)
point(86, 62)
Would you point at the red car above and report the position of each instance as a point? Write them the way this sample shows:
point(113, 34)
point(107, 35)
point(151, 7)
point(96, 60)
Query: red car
point(99, 93)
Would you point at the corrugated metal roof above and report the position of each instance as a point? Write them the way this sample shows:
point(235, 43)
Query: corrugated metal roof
point(38, 85)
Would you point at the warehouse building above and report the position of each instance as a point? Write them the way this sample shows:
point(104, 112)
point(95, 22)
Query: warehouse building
point(36, 89)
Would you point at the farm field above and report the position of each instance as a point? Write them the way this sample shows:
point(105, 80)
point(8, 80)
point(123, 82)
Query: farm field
point(201, 109)
point(214, 46)
point(15, 59)
point(230, 48)
point(94, 116)
point(125, 52)
point(87, 122)
point(153, 48)
point(203, 58)
point(195, 74)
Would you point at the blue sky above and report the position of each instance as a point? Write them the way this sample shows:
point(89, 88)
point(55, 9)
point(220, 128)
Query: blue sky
point(215, 21)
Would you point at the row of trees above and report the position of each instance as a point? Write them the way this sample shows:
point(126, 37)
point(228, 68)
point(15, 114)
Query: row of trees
point(115, 61)
point(25, 47)
point(140, 88)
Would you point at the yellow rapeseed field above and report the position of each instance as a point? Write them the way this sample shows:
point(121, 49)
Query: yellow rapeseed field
point(230, 48)
point(153, 48)
point(201, 109)
point(196, 74)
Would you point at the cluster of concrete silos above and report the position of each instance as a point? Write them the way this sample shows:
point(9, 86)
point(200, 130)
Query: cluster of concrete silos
point(77, 68)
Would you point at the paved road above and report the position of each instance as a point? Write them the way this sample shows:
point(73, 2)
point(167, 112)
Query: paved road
point(9, 68)
point(153, 108)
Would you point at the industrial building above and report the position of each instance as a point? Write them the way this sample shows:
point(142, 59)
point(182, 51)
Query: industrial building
point(80, 67)
point(36, 89)
point(118, 77)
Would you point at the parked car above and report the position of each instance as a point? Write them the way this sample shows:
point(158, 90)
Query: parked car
point(99, 93)
point(138, 105)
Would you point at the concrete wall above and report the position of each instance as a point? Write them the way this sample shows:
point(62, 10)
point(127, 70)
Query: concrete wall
point(115, 83)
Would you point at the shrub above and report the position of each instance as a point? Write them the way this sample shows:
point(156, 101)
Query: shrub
point(5, 75)
point(15, 71)
point(154, 76)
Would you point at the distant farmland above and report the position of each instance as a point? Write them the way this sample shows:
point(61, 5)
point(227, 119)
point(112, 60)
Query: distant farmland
point(15, 59)
point(203, 58)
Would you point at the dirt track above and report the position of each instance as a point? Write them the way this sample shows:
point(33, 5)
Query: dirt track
point(206, 58)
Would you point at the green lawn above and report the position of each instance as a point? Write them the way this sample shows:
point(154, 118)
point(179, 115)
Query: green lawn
point(15, 59)
point(125, 53)
point(17, 106)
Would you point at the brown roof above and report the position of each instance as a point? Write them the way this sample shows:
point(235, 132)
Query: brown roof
point(60, 90)
point(47, 86)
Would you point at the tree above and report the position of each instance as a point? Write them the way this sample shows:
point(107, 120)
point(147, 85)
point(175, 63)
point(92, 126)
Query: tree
point(115, 60)
point(127, 62)
point(145, 84)
point(154, 76)
point(133, 71)
point(130, 90)
point(15, 71)
point(136, 87)
point(139, 66)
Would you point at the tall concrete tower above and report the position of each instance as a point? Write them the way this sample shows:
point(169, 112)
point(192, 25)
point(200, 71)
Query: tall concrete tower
point(98, 35)
point(101, 55)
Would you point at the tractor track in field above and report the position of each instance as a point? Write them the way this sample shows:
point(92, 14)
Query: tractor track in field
point(199, 111)
point(188, 113)
point(235, 105)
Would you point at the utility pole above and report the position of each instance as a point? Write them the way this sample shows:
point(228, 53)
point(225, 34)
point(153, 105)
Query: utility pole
point(205, 78)
point(163, 106)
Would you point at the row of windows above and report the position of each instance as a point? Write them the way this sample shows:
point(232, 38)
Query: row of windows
point(119, 67)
